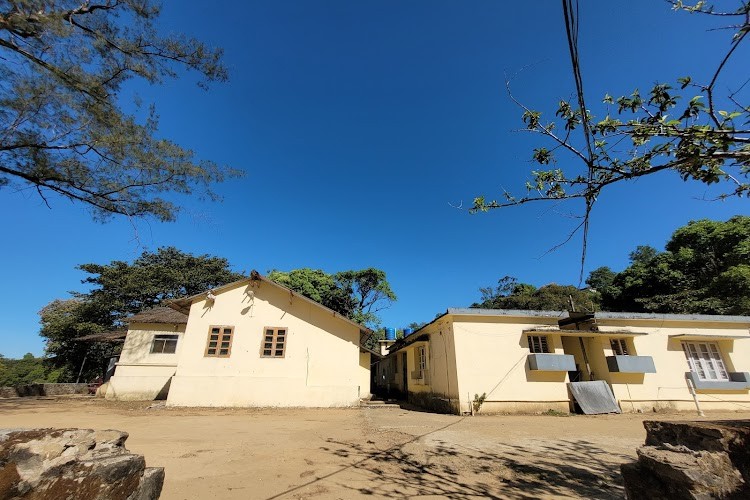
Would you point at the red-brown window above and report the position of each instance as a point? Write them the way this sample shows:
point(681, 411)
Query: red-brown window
point(219, 342)
point(274, 342)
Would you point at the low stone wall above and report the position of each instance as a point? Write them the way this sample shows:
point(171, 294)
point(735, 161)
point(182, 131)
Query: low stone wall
point(74, 463)
point(43, 390)
point(8, 392)
point(688, 460)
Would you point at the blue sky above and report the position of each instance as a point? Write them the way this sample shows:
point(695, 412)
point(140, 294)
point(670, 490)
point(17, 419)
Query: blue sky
point(361, 126)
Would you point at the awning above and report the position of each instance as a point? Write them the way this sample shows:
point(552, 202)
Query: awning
point(708, 336)
point(584, 333)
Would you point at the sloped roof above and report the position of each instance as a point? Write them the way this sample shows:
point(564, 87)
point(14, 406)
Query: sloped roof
point(159, 315)
point(116, 336)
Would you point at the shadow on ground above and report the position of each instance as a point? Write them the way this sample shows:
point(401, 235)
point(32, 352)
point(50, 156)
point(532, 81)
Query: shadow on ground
point(426, 466)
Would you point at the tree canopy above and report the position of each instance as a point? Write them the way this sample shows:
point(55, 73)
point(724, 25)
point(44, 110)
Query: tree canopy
point(120, 289)
point(692, 128)
point(124, 288)
point(63, 127)
point(358, 295)
point(705, 268)
point(510, 294)
point(27, 370)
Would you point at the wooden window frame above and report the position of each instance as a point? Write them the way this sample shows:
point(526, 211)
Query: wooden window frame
point(161, 337)
point(220, 338)
point(274, 341)
point(543, 344)
point(619, 347)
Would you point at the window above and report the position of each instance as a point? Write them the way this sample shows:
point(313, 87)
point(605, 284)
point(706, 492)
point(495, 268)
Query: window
point(164, 344)
point(538, 344)
point(619, 347)
point(421, 361)
point(274, 343)
point(705, 360)
point(219, 341)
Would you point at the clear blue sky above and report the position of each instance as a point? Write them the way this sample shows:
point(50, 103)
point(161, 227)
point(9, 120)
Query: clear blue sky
point(358, 125)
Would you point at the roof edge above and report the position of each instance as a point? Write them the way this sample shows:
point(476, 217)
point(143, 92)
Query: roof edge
point(183, 305)
point(599, 315)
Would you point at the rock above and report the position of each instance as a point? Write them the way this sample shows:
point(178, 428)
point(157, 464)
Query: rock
point(74, 464)
point(691, 460)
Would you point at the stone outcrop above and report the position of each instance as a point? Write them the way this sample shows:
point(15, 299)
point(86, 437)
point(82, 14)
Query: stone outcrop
point(80, 464)
point(691, 460)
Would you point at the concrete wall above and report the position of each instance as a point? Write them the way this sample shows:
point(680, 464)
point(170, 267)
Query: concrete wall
point(491, 357)
point(141, 375)
point(667, 389)
point(321, 367)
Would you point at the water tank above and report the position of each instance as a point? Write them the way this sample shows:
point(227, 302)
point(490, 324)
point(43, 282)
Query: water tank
point(390, 333)
point(408, 331)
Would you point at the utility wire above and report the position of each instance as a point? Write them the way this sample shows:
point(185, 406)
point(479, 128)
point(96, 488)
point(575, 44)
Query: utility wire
point(571, 14)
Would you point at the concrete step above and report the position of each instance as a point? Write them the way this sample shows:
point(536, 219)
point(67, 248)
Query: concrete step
point(378, 403)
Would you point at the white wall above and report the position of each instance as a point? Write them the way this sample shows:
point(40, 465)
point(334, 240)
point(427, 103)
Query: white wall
point(141, 375)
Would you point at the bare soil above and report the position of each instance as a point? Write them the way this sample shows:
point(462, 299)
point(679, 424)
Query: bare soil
point(359, 453)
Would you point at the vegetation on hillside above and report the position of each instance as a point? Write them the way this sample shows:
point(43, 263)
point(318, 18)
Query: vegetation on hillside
point(704, 269)
point(27, 370)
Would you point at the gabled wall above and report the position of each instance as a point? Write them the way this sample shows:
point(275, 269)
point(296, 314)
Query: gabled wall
point(322, 365)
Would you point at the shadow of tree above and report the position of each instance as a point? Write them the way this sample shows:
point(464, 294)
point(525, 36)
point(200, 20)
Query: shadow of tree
point(428, 465)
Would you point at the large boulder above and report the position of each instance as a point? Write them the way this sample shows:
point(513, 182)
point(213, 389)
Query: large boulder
point(78, 464)
point(691, 460)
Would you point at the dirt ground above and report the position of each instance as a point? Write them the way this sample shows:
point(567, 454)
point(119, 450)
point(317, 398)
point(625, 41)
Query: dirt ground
point(358, 453)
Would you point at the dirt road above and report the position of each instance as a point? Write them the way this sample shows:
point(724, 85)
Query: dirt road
point(359, 453)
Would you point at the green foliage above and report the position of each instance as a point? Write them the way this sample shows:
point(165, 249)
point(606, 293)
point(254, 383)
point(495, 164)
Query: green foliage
point(478, 401)
point(62, 322)
point(509, 294)
point(62, 128)
point(27, 370)
point(122, 288)
point(318, 286)
point(689, 128)
point(601, 278)
point(119, 290)
point(371, 293)
point(358, 295)
point(705, 269)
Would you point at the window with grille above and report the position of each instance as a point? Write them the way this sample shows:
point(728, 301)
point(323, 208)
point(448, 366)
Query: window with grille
point(619, 347)
point(164, 344)
point(538, 344)
point(420, 362)
point(274, 343)
point(704, 359)
point(219, 341)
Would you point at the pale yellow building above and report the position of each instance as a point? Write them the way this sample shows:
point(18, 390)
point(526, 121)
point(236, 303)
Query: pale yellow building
point(148, 359)
point(522, 361)
point(249, 343)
